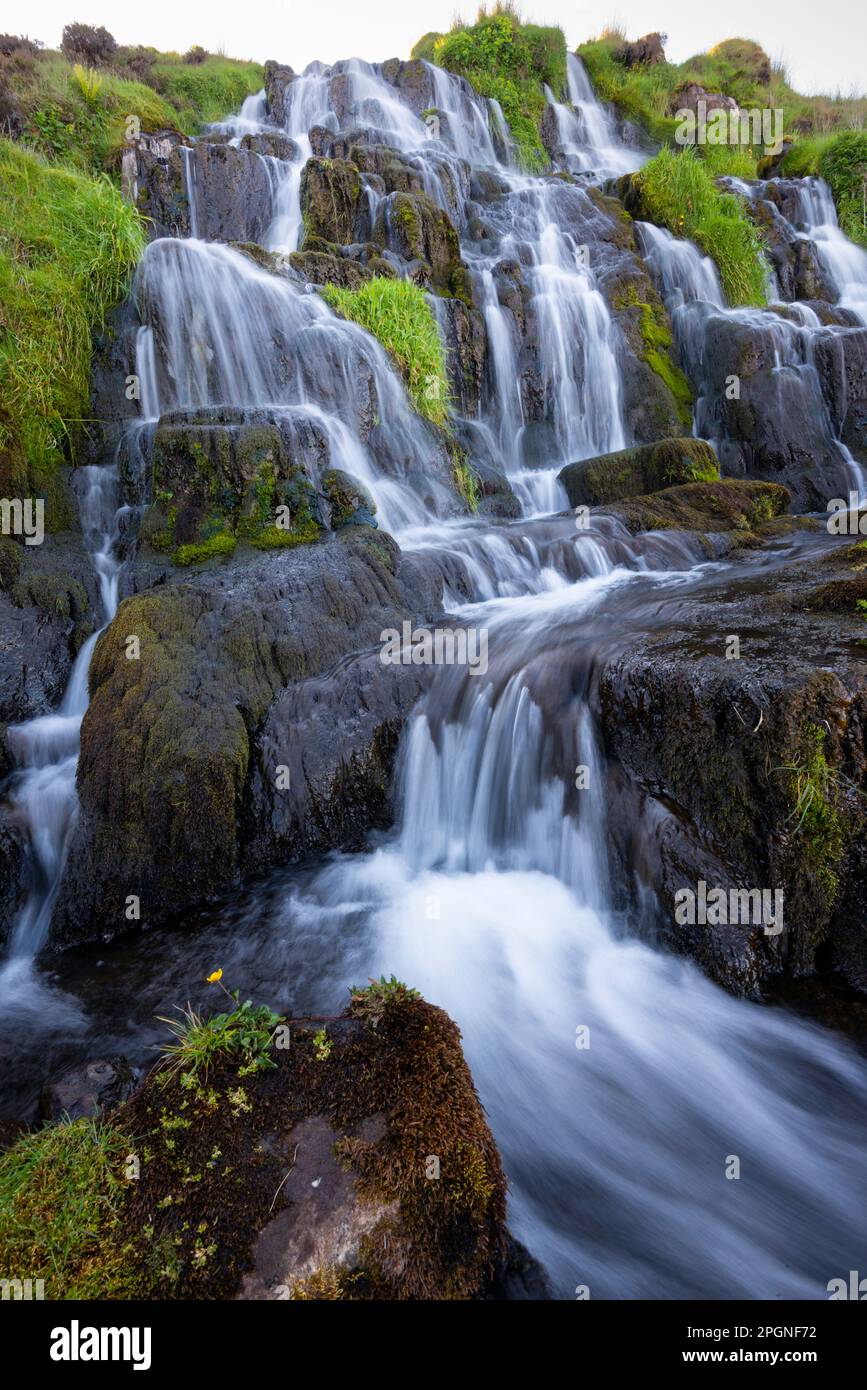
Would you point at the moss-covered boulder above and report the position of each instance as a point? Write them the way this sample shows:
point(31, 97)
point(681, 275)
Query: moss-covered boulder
point(218, 481)
point(413, 227)
point(730, 505)
point(347, 1159)
point(349, 502)
point(642, 469)
point(174, 717)
point(331, 201)
point(325, 263)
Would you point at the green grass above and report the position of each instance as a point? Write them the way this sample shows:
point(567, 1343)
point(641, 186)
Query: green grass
point(509, 61)
point(61, 1192)
point(67, 247)
point(78, 116)
point(678, 192)
point(195, 551)
point(398, 314)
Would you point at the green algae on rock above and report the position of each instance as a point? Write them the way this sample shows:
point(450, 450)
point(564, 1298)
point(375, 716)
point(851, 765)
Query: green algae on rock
point(642, 469)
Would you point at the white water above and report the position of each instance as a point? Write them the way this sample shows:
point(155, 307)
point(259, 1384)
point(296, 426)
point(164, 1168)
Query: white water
point(587, 136)
point(45, 749)
point(845, 262)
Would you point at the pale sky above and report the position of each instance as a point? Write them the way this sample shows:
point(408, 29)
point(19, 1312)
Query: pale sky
point(824, 46)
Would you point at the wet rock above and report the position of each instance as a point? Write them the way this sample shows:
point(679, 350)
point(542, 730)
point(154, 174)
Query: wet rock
point(463, 332)
point(271, 144)
point(756, 770)
point(88, 1089)
point(168, 741)
point(773, 206)
point(47, 605)
point(324, 263)
point(278, 79)
point(14, 875)
point(348, 502)
point(645, 468)
point(776, 425)
point(216, 191)
point(331, 201)
point(413, 227)
point(214, 477)
point(337, 787)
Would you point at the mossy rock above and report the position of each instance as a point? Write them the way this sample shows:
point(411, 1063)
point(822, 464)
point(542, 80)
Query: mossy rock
point(399, 1192)
point(730, 505)
point(350, 504)
point(331, 199)
point(217, 483)
point(46, 482)
point(415, 228)
point(643, 469)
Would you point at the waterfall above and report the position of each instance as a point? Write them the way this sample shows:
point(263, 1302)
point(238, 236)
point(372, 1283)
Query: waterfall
point(845, 262)
point(617, 1078)
point(45, 750)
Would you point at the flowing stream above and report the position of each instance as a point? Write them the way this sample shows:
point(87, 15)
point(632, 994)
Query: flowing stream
point(494, 893)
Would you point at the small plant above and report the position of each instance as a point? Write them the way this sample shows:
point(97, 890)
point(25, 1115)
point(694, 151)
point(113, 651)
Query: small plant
point(322, 1045)
point(89, 83)
point(196, 55)
point(244, 1033)
point(398, 314)
point(371, 1001)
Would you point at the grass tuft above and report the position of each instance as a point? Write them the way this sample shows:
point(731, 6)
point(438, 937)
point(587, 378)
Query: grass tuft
point(398, 314)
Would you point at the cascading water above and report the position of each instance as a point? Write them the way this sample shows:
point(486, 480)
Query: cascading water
point(845, 262)
point(45, 750)
point(495, 895)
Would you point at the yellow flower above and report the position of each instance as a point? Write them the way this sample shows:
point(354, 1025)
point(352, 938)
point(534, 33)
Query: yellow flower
point(215, 977)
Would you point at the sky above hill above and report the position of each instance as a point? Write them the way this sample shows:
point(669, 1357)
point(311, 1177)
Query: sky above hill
point(823, 46)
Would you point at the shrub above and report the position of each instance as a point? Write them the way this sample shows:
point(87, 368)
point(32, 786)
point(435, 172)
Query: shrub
point(196, 55)
point(17, 43)
point(398, 314)
point(92, 45)
point(678, 192)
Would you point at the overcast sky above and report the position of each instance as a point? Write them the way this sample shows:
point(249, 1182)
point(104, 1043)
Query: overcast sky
point(824, 45)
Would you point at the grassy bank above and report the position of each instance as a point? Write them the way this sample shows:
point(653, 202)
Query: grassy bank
point(677, 191)
point(842, 161)
point(76, 114)
point(67, 247)
point(737, 68)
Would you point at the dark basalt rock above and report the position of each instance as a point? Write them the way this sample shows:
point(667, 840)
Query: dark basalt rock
point(88, 1089)
point(167, 744)
point(413, 227)
point(721, 752)
point(229, 185)
point(278, 79)
point(14, 866)
point(332, 203)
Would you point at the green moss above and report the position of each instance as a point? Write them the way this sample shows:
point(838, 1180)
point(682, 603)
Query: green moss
point(62, 1193)
point(465, 478)
point(819, 825)
point(195, 553)
point(276, 538)
point(398, 314)
point(510, 61)
point(658, 348)
point(675, 190)
point(67, 247)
